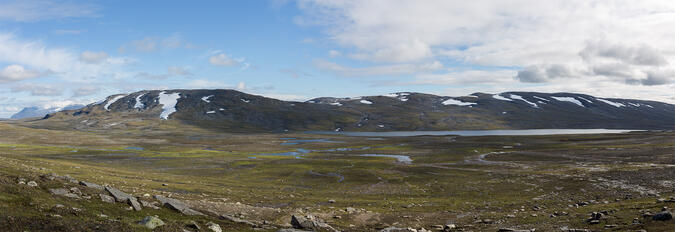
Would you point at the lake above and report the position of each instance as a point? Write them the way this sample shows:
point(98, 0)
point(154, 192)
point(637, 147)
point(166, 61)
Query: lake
point(475, 132)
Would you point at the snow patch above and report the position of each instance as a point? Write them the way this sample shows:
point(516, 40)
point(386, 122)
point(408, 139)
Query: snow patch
point(168, 102)
point(366, 102)
point(499, 97)
point(589, 101)
point(221, 109)
point(138, 103)
point(457, 102)
point(335, 104)
point(210, 112)
point(569, 99)
point(245, 100)
point(112, 100)
point(615, 104)
point(541, 98)
point(518, 97)
point(206, 99)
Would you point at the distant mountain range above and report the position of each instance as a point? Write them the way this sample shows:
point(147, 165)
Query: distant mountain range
point(30, 112)
point(231, 110)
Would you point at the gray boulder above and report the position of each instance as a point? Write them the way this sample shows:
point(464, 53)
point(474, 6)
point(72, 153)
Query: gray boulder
point(213, 227)
point(177, 205)
point(134, 203)
point(106, 198)
point(117, 194)
point(310, 222)
point(151, 222)
point(63, 192)
point(91, 185)
point(663, 216)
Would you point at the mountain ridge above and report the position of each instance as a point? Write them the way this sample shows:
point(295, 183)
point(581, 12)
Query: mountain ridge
point(232, 110)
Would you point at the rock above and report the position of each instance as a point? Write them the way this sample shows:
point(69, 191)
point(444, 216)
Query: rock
point(32, 184)
point(350, 210)
point(152, 205)
point(663, 216)
point(151, 222)
point(237, 220)
point(292, 230)
point(331, 201)
point(76, 191)
point(310, 222)
point(397, 229)
point(177, 205)
point(63, 192)
point(117, 194)
point(512, 230)
point(194, 225)
point(91, 185)
point(213, 227)
point(450, 227)
point(134, 203)
point(106, 198)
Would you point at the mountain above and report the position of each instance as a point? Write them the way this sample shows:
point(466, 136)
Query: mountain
point(31, 112)
point(232, 110)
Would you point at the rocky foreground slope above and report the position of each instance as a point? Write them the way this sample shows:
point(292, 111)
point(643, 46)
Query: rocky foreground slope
point(234, 110)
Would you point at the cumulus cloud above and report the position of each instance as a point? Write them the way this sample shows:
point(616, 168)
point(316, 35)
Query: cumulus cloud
point(16, 73)
point(543, 73)
point(222, 59)
point(37, 10)
point(394, 69)
point(600, 41)
point(93, 57)
point(60, 62)
point(38, 89)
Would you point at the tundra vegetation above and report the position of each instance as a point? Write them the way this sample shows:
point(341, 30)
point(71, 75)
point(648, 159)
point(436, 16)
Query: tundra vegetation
point(177, 177)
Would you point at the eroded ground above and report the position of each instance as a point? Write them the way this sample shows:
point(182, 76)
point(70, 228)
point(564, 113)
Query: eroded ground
point(547, 183)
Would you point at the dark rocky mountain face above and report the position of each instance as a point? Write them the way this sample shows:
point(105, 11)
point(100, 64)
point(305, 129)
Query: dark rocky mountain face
point(237, 111)
point(31, 112)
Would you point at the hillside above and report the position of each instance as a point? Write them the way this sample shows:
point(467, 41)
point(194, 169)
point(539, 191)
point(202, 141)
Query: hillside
point(236, 111)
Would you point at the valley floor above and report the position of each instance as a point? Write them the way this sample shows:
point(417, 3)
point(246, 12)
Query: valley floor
point(258, 181)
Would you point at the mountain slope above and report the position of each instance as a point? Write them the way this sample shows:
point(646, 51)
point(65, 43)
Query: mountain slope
point(234, 110)
point(31, 112)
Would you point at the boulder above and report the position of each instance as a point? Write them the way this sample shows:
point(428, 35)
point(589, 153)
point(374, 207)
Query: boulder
point(32, 184)
point(106, 198)
point(117, 194)
point(663, 216)
point(512, 230)
point(91, 185)
point(397, 229)
point(238, 220)
point(151, 222)
point(134, 203)
point(213, 227)
point(177, 205)
point(147, 204)
point(63, 192)
point(310, 222)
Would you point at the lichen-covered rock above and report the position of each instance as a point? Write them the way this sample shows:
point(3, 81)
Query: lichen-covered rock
point(151, 222)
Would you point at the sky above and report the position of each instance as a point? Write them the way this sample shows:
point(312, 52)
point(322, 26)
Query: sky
point(56, 53)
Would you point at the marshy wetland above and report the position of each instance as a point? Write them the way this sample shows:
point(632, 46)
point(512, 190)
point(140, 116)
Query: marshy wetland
point(258, 181)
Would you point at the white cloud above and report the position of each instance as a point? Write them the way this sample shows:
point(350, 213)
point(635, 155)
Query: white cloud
point(548, 42)
point(222, 60)
point(37, 10)
point(394, 69)
point(93, 57)
point(16, 73)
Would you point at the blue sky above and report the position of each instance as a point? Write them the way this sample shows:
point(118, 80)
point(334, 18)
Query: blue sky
point(54, 53)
